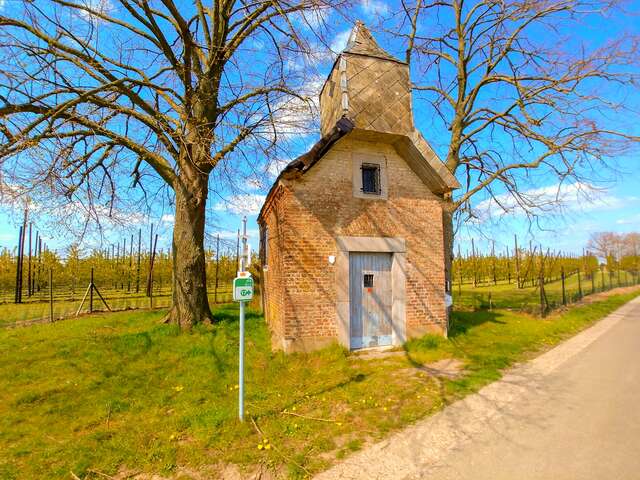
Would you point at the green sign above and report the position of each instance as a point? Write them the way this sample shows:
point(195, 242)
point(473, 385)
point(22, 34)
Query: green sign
point(242, 289)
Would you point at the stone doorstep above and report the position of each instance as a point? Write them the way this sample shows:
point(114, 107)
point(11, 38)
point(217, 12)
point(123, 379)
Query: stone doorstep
point(370, 353)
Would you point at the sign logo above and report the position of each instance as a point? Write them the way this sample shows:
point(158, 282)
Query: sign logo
point(242, 289)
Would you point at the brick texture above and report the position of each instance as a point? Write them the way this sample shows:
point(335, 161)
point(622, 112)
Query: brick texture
point(306, 214)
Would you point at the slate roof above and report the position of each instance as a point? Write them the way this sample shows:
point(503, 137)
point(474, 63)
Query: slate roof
point(361, 42)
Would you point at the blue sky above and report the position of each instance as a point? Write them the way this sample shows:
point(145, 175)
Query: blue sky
point(617, 208)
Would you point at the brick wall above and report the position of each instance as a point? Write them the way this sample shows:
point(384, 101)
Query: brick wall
point(309, 212)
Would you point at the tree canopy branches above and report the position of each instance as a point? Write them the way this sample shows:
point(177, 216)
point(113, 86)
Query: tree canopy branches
point(138, 82)
point(521, 92)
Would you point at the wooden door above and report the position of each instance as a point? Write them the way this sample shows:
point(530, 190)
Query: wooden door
point(370, 299)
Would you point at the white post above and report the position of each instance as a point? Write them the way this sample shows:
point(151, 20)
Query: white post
point(241, 353)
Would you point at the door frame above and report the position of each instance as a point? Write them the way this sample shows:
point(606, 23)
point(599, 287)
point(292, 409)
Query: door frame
point(397, 247)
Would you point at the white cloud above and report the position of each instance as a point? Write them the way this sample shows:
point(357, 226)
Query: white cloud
point(576, 197)
point(254, 183)
point(296, 116)
point(72, 214)
point(313, 18)
point(241, 204)
point(233, 234)
point(168, 218)
point(275, 166)
point(374, 7)
point(315, 55)
point(630, 220)
point(104, 7)
point(339, 42)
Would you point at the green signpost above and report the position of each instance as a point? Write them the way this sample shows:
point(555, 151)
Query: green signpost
point(242, 293)
point(242, 289)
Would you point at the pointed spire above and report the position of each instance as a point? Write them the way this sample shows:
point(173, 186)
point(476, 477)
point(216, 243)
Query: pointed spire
point(362, 42)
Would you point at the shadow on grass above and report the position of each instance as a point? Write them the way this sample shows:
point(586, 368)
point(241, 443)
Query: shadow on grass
point(461, 322)
point(229, 313)
point(419, 352)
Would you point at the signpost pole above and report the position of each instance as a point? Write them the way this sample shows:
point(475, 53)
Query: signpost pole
point(242, 293)
point(241, 373)
point(241, 366)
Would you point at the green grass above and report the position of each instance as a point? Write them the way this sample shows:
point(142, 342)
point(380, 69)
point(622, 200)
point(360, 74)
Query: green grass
point(66, 305)
point(121, 390)
point(505, 295)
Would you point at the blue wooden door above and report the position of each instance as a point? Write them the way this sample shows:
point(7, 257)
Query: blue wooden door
point(370, 299)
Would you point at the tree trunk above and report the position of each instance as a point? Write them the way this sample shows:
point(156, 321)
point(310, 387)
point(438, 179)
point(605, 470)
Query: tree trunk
point(190, 302)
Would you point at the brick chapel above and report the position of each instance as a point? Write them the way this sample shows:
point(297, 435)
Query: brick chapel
point(351, 232)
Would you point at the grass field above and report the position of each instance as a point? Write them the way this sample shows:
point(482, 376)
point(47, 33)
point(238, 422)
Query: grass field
point(64, 306)
point(121, 392)
point(505, 295)
point(502, 295)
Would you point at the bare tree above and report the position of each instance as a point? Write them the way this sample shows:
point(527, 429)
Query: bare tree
point(614, 245)
point(604, 244)
point(94, 91)
point(522, 97)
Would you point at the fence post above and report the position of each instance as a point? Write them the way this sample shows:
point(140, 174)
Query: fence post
point(543, 307)
point(130, 265)
point(215, 289)
point(138, 264)
point(493, 261)
point(475, 265)
point(459, 272)
point(517, 258)
point(564, 292)
point(91, 292)
point(19, 265)
point(51, 295)
point(579, 285)
point(29, 262)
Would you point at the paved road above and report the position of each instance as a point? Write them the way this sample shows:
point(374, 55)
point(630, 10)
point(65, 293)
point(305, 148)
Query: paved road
point(572, 413)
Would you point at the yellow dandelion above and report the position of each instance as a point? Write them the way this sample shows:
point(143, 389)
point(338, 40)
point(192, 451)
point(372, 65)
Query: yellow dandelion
point(260, 446)
point(267, 446)
point(178, 388)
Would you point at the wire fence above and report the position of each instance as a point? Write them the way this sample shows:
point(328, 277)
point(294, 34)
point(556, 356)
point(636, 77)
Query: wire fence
point(52, 304)
point(39, 284)
point(544, 295)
